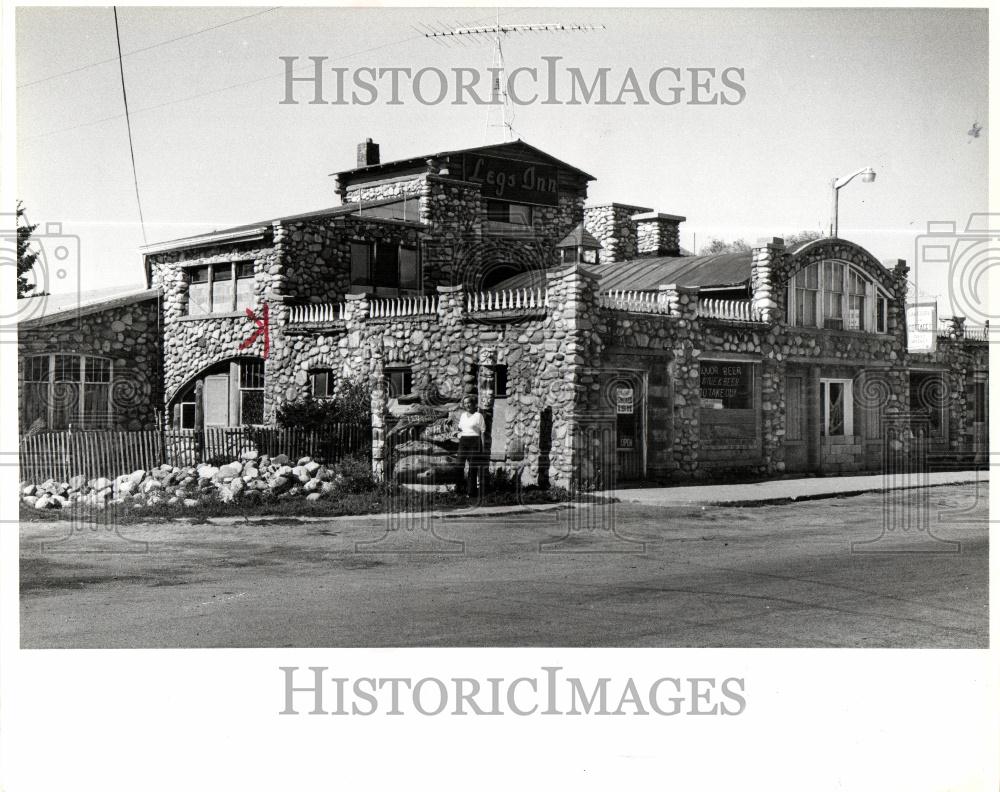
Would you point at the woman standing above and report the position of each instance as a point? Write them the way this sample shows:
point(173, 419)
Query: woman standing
point(471, 427)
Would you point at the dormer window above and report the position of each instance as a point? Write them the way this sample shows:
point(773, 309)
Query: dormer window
point(836, 296)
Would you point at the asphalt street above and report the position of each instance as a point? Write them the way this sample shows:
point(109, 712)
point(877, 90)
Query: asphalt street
point(833, 572)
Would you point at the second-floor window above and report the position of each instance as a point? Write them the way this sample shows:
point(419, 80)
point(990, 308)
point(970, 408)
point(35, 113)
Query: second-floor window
point(221, 288)
point(512, 213)
point(836, 296)
point(384, 264)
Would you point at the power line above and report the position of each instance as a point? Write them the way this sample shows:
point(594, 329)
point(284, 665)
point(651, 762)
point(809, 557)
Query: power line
point(145, 49)
point(192, 97)
point(128, 124)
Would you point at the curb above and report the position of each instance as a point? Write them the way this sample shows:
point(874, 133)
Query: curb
point(785, 500)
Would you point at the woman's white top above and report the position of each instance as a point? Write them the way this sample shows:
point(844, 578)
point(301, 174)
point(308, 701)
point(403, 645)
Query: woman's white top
point(471, 424)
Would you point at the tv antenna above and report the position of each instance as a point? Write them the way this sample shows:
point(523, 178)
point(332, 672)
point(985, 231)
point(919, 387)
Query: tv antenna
point(499, 97)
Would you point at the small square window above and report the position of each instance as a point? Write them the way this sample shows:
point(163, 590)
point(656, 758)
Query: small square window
point(322, 383)
point(400, 382)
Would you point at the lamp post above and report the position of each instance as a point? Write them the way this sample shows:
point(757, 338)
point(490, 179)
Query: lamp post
point(866, 174)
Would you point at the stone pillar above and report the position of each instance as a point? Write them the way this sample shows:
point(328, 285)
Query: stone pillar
point(568, 373)
point(614, 227)
point(379, 402)
point(682, 300)
point(658, 234)
point(765, 279)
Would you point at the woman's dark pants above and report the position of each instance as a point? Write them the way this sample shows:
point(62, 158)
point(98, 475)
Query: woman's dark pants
point(470, 449)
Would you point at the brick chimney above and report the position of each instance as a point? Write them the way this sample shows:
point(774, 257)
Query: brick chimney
point(614, 227)
point(659, 234)
point(367, 153)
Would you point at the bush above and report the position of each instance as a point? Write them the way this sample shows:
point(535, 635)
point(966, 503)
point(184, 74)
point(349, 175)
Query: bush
point(354, 474)
point(351, 405)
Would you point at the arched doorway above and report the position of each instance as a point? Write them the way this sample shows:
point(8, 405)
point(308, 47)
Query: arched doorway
point(228, 393)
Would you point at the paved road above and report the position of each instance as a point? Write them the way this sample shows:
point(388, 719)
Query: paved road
point(771, 576)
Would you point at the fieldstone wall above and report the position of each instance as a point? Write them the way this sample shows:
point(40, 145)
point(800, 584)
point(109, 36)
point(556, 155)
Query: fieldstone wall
point(658, 235)
point(316, 253)
point(128, 335)
point(614, 226)
point(193, 344)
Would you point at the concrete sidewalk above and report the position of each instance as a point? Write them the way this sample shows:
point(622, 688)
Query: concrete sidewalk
point(790, 489)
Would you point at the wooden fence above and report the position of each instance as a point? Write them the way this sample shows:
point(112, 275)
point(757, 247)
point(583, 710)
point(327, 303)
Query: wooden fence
point(60, 455)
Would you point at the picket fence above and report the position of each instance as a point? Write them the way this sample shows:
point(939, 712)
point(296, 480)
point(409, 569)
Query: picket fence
point(103, 453)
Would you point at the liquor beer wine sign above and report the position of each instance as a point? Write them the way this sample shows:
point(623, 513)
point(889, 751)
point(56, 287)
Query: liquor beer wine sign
point(512, 180)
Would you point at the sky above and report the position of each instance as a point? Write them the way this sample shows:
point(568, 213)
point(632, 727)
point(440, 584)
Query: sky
point(828, 91)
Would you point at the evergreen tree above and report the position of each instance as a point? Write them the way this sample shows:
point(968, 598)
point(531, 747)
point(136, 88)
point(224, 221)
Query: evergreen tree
point(25, 256)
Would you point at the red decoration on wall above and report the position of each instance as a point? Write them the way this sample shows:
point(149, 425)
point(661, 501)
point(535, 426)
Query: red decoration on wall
point(263, 329)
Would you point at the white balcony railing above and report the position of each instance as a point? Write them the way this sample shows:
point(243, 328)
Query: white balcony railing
point(316, 314)
point(977, 333)
point(634, 302)
point(393, 307)
point(735, 310)
point(507, 300)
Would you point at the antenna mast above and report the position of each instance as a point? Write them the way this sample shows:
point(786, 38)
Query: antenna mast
point(499, 97)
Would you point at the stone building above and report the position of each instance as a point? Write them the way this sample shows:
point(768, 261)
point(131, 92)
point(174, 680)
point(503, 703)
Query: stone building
point(90, 360)
point(597, 349)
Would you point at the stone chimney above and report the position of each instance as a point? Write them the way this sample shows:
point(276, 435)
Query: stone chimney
point(367, 153)
point(614, 227)
point(659, 234)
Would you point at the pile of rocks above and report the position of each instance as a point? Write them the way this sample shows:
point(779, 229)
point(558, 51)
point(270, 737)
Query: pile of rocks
point(249, 478)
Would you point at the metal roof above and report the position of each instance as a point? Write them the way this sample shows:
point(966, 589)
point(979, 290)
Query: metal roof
point(648, 274)
point(50, 308)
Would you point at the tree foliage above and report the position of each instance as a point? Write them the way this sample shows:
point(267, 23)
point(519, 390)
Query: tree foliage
point(716, 246)
point(25, 256)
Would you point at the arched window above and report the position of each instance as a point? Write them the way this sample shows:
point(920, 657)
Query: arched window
point(63, 390)
point(837, 296)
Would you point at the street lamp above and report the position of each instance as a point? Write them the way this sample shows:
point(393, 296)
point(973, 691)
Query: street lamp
point(866, 174)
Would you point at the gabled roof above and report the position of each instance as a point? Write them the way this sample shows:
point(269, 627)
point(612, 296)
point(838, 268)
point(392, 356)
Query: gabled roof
point(580, 237)
point(512, 147)
point(52, 308)
point(253, 231)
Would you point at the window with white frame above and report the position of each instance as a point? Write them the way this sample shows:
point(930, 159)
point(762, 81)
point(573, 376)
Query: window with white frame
point(836, 407)
point(835, 295)
point(220, 288)
point(63, 390)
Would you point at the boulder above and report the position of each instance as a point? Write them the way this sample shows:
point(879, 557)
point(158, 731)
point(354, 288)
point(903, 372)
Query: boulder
point(207, 471)
point(237, 485)
point(250, 473)
point(313, 485)
point(151, 485)
point(29, 500)
point(281, 484)
point(249, 454)
point(304, 461)
point(281, 459)
point(422, 448)
point(311, 467)
point(313, 496)
point(301, 473)
point(427, 469)
point(137, 476)
point(77, 482)
point(231, 471)
point(44, 502)
point(191, 502)
point(29, 490)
